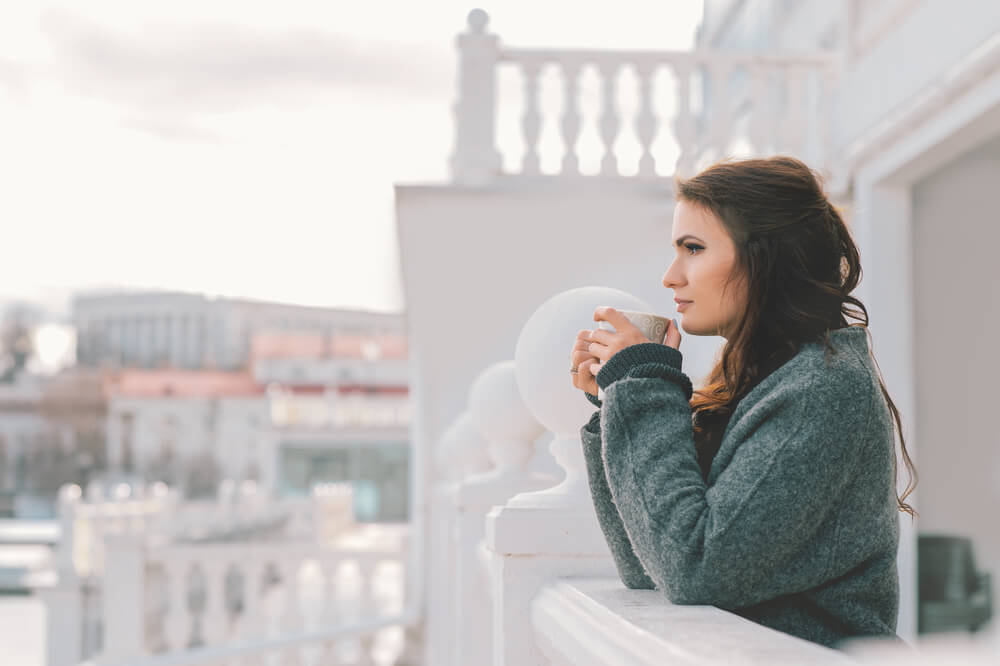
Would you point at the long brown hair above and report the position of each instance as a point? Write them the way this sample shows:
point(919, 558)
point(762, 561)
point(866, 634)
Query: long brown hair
point(799, 264)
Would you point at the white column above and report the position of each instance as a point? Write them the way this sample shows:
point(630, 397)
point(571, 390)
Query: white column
point(63, 601)
point(124, 600)
point(460, 453)
point(496, 407)
point(882, 229)
point(476, 159)
point(552, 533)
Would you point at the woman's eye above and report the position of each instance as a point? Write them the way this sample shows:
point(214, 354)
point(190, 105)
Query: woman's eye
point(692, 247)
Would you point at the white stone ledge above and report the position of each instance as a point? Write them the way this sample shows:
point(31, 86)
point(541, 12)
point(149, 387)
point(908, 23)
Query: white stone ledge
point(597, 621)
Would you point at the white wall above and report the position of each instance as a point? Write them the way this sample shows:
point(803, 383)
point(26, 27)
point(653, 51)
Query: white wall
point(957, 314)
point(477, 262)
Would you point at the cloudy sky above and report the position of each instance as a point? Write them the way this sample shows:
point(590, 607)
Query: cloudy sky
point(239, 147)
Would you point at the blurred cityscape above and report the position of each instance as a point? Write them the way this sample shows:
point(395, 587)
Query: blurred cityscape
point(197, 420)
point(188, 479)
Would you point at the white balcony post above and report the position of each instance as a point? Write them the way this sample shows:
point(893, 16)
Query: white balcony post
point(461, 451)
point(496, 407)
point(476, 159)
point(63, 601)
point(551, 533)
point(124, 597)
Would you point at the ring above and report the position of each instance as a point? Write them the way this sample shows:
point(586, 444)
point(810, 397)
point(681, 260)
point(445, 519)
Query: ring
point(573, 371)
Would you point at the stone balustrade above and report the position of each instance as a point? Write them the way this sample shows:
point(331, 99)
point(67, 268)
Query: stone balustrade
point(719, 104)
point(173, 598)
point(534, 582)
point(139, 571)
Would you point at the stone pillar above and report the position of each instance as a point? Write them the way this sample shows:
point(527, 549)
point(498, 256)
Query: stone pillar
point(64, 600)
point(124, 603)
point(461, 452)
point(475, 159)
point(496, 407)
point(552, 533)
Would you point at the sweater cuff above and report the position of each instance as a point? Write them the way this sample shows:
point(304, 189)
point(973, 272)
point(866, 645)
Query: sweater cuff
point(593, 398)
point(645, 360)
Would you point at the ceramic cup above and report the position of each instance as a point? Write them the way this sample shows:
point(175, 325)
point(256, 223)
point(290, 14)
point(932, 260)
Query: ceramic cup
point(653, 326)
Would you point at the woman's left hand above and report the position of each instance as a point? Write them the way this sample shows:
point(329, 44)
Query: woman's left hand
point(605, 344)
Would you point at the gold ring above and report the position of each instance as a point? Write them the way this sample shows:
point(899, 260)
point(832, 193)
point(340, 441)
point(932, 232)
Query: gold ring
point(573, 371)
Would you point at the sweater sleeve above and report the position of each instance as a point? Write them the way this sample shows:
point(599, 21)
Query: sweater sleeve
point(738, 542)
point(629, 567)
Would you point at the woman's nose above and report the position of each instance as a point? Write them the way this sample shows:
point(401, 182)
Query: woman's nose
point(670, 278)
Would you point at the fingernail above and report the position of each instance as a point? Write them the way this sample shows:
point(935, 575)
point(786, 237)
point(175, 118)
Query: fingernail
point(675, 323)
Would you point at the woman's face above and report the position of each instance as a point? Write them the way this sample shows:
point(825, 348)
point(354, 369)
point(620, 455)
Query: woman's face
point(705, 255)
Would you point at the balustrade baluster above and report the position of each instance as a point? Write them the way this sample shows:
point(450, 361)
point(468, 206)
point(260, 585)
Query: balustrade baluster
point(214, 618)
point(367, 645)
point(571, 119)
point(827, 81)
point(791, 131)
point(684, 121)
point(531, 121)
point(721, 131)
point(760, 108)
point(251, 622)
point(366, 597)
point(329, 610)
point(178, 622)
point(610, 122)
point(292, 616)
point(645, 122)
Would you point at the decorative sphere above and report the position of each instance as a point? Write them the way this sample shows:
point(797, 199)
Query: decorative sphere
point(477, 20)
point(70, 492)
point(496, 406)
point(462, 449)
point(542, 356)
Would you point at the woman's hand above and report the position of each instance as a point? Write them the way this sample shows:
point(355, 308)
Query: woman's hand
point(581, 359)
point(605, 344)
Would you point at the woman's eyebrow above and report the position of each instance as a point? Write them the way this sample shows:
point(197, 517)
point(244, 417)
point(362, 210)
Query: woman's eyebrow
point(685, 237)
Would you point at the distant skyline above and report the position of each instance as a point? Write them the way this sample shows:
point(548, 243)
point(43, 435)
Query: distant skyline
point(243, 149)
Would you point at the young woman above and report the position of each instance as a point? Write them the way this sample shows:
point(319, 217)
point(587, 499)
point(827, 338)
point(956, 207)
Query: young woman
point(771, 490)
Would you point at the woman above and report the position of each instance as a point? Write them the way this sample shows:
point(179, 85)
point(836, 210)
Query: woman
point(770, 491)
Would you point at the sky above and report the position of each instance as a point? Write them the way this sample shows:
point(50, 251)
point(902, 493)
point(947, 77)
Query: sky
point(242, 148)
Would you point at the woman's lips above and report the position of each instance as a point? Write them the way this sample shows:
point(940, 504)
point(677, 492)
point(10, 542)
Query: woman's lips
point(682, 305)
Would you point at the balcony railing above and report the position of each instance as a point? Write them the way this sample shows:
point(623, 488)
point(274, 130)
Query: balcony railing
point(723, 104)
point(137, 586)
point(519, 575)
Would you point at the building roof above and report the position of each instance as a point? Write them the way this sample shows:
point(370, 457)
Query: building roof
point(182, 383)
point(309, 344)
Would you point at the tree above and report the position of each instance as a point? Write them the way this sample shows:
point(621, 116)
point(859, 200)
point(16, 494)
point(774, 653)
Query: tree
point(16, 344)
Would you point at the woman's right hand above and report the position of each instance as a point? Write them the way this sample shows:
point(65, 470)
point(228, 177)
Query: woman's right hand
point(582, 360)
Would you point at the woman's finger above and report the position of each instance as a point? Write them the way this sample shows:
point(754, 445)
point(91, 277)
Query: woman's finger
point(672, 338)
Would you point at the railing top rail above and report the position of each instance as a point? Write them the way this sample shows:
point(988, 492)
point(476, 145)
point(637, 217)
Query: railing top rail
point(204, 656)
point(641, 626)
point(677, 58)
point(266, 550)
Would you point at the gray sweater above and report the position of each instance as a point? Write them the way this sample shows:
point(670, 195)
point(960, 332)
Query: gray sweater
point(797, 526)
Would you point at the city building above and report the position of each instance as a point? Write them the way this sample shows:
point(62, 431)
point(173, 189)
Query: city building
point(310, 409)
point(147, 329)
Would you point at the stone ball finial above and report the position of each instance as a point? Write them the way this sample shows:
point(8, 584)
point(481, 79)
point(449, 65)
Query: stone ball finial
point(542, 355)
point(496, 405)
point(477, 21)
point(462, 450)
point(70, 492)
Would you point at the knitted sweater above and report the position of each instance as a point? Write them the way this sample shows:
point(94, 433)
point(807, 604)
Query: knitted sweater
point(796, 527)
